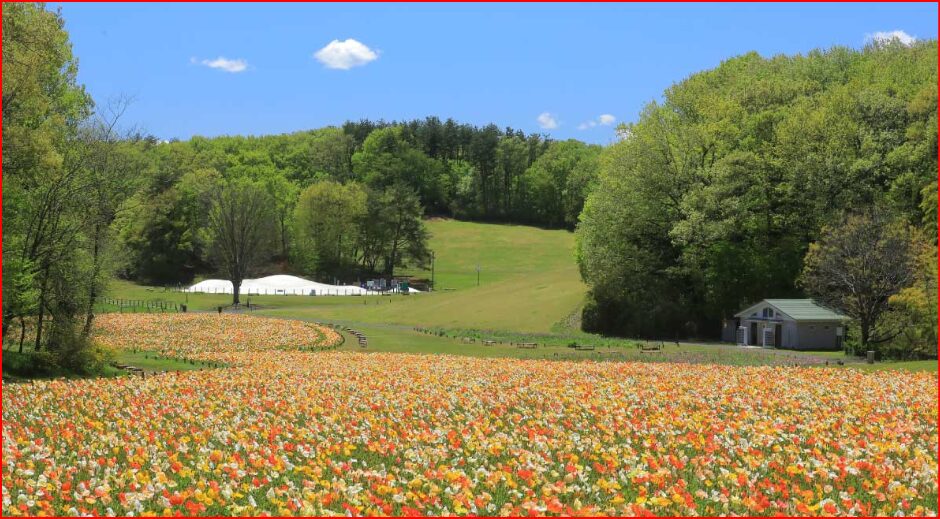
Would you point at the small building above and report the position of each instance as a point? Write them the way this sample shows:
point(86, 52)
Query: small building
point(797, 324)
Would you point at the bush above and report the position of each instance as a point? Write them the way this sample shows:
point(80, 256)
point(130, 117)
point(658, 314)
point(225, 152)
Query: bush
point(591, 318)
point(31, 364)
point(76, 354)
point(90, 359)
point(65, 353)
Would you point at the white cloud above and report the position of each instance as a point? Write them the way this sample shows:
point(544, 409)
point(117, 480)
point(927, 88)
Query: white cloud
point(547, 121)
point(884, 37)
point(602, 120)
point(228, 65)
point(344, 55)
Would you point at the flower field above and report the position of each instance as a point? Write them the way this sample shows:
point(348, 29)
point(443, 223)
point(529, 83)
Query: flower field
point(209, 336)
point(289, 432)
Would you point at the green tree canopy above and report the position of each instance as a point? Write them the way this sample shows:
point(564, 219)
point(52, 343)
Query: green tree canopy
point(326, 226)
point(711, 199)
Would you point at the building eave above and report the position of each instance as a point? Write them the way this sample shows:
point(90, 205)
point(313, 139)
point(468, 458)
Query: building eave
point(744, 313)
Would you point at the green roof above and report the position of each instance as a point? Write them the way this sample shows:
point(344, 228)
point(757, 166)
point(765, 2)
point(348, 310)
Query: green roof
point(805, 310)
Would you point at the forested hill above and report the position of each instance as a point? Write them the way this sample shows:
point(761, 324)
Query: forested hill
point(716, 195)
point(420, 168)
point(459, 170)
point(483, 173)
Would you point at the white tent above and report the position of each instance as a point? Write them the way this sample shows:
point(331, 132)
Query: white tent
point(279, 285)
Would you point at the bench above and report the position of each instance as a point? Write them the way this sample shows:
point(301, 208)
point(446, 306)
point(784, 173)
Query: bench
point(651, 348)
point(584, 347)
point(489, 343)
point(527, 345)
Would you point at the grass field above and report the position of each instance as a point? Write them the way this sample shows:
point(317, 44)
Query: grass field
point(502, 251)
point(529, 286)
point(528, 283)
point(153, 361)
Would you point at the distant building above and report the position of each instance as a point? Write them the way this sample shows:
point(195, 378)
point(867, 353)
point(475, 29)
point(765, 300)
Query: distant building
point(797, 324)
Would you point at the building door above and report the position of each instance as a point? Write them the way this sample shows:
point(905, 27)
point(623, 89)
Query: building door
point(753, 341)
point(778, 331)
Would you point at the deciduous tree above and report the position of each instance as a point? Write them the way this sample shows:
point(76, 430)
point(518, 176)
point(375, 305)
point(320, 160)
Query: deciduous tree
point(240, 230)
point(858, 265)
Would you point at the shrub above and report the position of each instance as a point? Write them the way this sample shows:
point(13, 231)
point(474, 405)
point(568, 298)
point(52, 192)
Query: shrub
point(31, 364)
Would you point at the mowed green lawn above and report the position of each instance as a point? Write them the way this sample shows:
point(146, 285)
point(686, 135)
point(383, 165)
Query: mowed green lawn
point(528, 282)
point(503, 252)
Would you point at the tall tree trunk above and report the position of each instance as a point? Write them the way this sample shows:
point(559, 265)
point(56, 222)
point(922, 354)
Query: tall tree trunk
point(42, 308)
point(236, 289)
point(7, 317)
point(22, 332)
point(283, 220)
point(931, 293)
point(864, 328)
point(393, 255)
point(93, 290)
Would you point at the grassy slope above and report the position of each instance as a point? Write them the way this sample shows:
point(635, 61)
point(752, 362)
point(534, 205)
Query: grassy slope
point(503, 252)
point(528, 283)
point(527, 305)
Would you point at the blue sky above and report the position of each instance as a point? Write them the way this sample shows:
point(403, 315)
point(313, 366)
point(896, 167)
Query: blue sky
point(562, 69)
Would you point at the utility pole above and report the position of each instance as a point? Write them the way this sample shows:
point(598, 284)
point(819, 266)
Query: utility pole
point(478, 275)
point(432, 270)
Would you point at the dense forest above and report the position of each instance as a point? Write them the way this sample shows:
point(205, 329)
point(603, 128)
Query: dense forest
point(714, 197)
